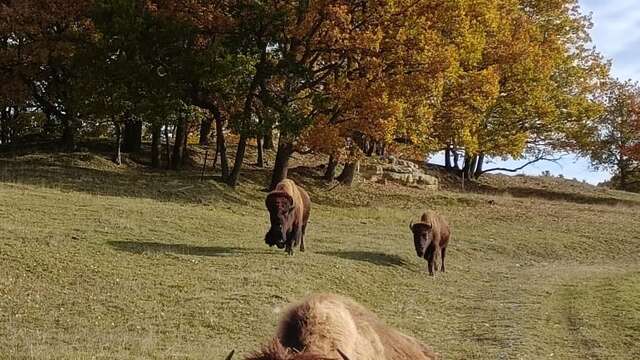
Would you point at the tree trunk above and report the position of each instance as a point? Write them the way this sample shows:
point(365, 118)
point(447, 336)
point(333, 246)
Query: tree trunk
point(237, 164)
point(361, 140)
point(179, 145)
point(245, 119)
point(260, 160)
point(447, 158)
point(156, 145)
point(624, 174)
point(132, 137)
point(349, 173)
point(281, 166)
point(68, 135)
point(205, 130)
point(221, 147)
point(472, 167)
point(118, 156)
point(456, 158)
point(465, 167)
point(479, 165)
point(330, 172)
point(469, 166)
point(167, 146)
point(371, 147)
point(49, 126)
point(4, 119)
point(268, 140)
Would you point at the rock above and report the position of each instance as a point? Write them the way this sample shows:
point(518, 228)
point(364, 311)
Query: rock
point(425, 179)
point(392, 159)
point(398, 177)
point(409, 179)
point(398, 169)
point(371, 171)
point(408, 164)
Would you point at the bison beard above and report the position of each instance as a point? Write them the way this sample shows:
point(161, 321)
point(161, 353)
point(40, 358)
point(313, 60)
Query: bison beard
point(276, 238)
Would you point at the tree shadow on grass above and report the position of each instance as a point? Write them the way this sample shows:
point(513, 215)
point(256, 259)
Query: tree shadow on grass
point(558, 195)
point(166, 186)
point(373, 257)
point(180, 249)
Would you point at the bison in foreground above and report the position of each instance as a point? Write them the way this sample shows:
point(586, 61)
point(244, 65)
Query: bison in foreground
point(430, 238)
point(289, 206)
point(327, 326)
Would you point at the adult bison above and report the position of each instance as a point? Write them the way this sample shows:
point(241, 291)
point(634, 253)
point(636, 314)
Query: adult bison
point(328, 326)
point(430, 238)
point(289, 206)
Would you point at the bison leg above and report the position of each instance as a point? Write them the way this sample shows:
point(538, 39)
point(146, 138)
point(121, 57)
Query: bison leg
point(298, 237)
point(293, 239)
point(430, 267)
point(304, 228)
point(430, 260)
point(443, 251)
point(436, 256)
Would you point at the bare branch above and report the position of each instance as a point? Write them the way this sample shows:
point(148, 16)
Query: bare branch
point(541, 158)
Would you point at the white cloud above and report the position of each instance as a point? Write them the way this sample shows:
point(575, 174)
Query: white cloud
point(615, 33)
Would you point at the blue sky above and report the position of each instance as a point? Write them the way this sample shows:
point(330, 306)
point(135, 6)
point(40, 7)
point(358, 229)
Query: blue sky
point(616, 34)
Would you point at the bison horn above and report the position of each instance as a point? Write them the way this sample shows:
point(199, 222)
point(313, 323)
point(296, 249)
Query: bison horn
point(230, 355)
point(411, 225)
point(343, 355)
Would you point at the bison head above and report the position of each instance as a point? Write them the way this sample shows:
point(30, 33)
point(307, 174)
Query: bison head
point(280, 206)
point(422, 237)
point(276, 351)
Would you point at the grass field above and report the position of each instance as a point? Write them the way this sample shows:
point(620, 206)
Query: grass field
point(100, 262)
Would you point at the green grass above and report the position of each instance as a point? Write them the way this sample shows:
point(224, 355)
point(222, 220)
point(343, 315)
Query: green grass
point(101, 262)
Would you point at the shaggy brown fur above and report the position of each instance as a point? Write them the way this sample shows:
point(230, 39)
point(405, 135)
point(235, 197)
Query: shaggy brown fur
point(289, 206)
point(327, 326)
point(430, 238)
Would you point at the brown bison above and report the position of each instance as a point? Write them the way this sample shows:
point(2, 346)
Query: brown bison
point(289, 206)
point(430, 237)
point(328, 326)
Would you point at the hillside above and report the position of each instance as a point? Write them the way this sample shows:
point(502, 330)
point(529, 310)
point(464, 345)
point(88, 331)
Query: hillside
point(104, 262)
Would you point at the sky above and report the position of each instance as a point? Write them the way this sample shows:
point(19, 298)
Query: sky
point(616, 35)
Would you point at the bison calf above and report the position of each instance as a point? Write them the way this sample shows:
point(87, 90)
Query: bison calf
point(289, 206)
point(430, 238)
point(327, 326)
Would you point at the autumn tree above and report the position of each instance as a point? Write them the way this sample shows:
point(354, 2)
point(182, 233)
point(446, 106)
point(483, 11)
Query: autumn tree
point(615, 135)
point(633, 150)
point(39, 41)
point(537, 78)
point(391, 90)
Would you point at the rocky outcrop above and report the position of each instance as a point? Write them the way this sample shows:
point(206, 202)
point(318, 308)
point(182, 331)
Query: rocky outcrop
point(400, 171)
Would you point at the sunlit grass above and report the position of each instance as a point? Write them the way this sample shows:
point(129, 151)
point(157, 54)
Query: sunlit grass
point(107, 263)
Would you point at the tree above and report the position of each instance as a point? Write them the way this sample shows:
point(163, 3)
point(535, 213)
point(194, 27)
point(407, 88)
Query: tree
point(633, 150)
point(391, 90)
point(612, 143)
point(39, 41)
point(538, 83)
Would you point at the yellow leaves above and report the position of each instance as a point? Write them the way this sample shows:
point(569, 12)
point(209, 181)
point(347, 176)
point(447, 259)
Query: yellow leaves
point(521, 69)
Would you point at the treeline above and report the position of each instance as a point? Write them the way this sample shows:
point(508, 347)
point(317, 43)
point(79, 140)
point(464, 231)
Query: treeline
point(477, 79)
